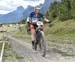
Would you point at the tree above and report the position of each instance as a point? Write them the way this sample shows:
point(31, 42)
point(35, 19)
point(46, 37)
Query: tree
point(53, 11)
point(23, 21)
point(73, 8)
point(65, 10)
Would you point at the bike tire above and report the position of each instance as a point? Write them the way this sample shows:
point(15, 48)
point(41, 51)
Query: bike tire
point(43, 44)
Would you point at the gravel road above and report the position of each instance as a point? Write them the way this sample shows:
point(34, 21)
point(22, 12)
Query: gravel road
point(29, 55)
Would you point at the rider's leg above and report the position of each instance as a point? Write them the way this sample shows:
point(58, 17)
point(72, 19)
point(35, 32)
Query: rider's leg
point(32, 34)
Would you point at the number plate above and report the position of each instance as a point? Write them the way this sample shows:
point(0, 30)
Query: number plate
point(34, 20)
point(39, 23)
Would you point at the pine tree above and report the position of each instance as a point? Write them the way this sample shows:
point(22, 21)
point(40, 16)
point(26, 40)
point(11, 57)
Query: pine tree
point(65, 10)
point(73, 8)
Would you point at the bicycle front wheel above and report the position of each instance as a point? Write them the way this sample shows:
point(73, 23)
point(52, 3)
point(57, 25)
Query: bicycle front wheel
point(43, 44)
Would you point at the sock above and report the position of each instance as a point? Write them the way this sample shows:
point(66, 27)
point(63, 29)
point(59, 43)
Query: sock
point(33, 42)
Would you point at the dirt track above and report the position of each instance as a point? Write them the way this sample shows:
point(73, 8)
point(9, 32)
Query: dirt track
point(29, 55)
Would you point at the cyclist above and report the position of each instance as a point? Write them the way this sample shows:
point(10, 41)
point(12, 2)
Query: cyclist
point(31, 21)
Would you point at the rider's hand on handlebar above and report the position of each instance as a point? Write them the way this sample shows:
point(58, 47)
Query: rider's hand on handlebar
point(46, 20)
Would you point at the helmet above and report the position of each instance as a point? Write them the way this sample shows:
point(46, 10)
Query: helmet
point(37, 7)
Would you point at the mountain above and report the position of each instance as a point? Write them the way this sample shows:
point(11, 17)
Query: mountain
point(14, 16)
point(21, 13)
point(45, 6)
point(1, 15)
point(28, 11)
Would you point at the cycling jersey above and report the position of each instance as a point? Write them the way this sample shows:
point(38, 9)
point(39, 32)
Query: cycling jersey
point(34, 18)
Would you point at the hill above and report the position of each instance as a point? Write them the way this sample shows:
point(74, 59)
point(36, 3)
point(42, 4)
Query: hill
point(61, 32)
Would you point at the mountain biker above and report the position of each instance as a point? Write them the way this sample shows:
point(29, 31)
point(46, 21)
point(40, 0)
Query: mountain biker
point(31, 21)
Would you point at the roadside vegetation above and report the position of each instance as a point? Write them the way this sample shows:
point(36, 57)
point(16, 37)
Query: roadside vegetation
point(62, 15)
point(61, 32)
point(63, 10)
point(9, 55)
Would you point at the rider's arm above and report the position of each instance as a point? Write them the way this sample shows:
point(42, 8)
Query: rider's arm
point(28, 21)
point(29, 18)
point(46, 20)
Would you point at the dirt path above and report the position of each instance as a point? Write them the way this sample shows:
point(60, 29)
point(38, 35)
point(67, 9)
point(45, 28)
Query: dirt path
point(29, 55)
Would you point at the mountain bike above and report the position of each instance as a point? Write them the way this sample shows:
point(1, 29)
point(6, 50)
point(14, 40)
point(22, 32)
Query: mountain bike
point(40, 38)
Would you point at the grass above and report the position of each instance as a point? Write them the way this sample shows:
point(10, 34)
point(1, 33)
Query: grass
point(60, 32)
point(9, 54)
point(22, 33)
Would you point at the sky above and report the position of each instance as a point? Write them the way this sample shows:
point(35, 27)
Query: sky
point(7, 6)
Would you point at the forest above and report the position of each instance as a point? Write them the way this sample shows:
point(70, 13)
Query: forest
point(63, 10)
